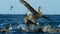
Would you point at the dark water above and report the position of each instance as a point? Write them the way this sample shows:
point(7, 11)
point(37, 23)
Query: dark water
point(16, 20)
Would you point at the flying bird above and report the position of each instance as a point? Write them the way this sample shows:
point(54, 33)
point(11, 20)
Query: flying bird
point(11, 7)
point(36, 14)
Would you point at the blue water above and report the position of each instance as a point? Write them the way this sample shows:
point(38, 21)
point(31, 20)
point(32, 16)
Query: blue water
point(16, 20)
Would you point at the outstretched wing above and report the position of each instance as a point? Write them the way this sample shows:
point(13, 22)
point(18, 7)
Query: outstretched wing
point(45, 17)
point(33, 11)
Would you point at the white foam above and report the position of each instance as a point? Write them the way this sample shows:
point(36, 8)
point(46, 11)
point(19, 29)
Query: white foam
point(58, 25)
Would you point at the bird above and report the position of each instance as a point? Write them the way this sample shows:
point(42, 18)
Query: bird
point(11, 7)
point(8, 28)
point(36, 15)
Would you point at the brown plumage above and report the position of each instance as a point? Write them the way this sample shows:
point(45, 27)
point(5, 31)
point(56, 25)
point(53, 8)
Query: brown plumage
point(36, 15)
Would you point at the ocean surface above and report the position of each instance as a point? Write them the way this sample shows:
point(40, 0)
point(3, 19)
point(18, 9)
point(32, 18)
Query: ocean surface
point(16, 20)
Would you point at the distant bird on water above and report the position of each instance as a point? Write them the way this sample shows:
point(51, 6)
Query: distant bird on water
point(5, 30)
